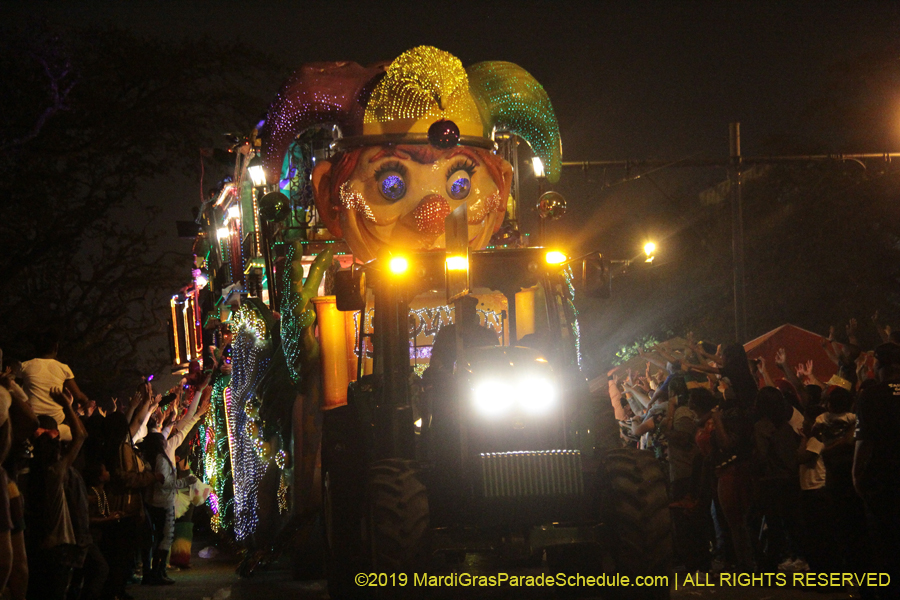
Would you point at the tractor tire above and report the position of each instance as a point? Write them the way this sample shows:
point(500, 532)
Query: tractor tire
point(635, 508)
point(398, 527)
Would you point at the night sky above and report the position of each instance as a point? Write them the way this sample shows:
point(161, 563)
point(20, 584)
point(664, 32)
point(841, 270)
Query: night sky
point(628, 80)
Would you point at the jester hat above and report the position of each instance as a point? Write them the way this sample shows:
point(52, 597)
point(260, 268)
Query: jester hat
point(423, 96)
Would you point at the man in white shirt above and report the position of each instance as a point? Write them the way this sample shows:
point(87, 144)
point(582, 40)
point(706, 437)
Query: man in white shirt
point(42, 374)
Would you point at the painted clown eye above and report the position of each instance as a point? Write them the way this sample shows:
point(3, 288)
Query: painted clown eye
point(391, 181)
point(393, 187)
point(459, 178)
point(459, 185)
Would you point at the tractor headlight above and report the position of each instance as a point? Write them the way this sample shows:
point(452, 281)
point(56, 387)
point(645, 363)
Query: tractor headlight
point(536, 396)
point(533, 396)
point(493, 398)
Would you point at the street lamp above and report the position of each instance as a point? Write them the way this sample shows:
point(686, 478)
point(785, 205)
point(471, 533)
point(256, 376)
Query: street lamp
point(257, 172)
point(649, 250)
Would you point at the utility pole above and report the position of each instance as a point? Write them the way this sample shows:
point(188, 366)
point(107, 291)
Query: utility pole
point(734, 163)
point(737, 233)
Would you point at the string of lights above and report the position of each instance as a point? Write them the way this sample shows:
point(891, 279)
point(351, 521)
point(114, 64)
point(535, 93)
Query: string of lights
point(217, 459)
point(249, 353)
point(570, 305)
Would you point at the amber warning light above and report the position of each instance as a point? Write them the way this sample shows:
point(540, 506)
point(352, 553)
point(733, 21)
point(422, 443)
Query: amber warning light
point(555, 257)
point(398, 265)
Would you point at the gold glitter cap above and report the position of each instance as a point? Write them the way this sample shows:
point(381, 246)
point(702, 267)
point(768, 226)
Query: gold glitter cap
point(421, 86)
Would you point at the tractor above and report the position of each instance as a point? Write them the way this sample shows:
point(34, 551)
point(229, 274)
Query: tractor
point(497, 449)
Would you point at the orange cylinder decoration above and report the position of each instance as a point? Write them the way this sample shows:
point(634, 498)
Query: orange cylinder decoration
point(333, 348)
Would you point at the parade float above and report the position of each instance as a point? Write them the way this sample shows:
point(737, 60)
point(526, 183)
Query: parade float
point(371, 208)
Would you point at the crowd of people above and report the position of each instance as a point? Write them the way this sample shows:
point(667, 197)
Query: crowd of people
point(88, 488)
point(773, 470)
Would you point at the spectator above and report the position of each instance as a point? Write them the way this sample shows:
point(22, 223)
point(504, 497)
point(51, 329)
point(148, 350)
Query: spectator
point(732, 451)
point(128, 479)
point(835, 429)
point(876, 461)
point(180, 555)
point(733, 365)
point(96, 476)
point(90, 565)
point(50, 537)
point(160, 502)
point(778, 485)
point(42, 375)
point(817, 540)
point(681, 427)
point(22, 423)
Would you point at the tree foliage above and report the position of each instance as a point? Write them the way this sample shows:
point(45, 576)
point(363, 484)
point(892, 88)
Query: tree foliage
point(88, 118)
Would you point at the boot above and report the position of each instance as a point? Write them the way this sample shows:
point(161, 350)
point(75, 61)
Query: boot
point(159, 569)
point(150, 578)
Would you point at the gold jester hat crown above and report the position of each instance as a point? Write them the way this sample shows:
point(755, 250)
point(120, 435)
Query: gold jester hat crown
point(424, 96)
point(421, 86)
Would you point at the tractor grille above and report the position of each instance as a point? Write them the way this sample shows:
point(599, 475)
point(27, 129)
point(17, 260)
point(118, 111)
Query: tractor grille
point(531, 473)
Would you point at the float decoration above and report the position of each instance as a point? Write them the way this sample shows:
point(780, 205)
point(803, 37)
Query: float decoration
point(510, 99)
point(423, 109)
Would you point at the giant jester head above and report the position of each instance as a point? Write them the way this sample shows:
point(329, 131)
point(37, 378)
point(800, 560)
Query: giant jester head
point(416, 143)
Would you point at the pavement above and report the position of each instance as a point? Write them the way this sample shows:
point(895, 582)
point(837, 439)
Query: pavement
point(216, 579)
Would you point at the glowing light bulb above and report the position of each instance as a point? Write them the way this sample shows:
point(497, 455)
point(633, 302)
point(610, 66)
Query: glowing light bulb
point(555, 257)
point(457, 263)
point(398, 265)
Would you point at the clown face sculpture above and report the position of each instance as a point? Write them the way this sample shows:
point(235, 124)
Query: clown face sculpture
point(416, 144)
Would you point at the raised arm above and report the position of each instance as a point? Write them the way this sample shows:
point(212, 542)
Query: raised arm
point(192, 409)
point(64, 398)
point(183, 426)
point(883, 332)
point(781, 362)
point(851, 332)
point(136, 399)
point(648, 356)
point(828, 346)
point(663, 351)
point(698, 348)
point(24, 421)
point(762, 370)
point(142, 414)
point(77, 395)
point(807, 372)
point(703, 368)
point(168, 420)
point(639, 395)
point(615, 397)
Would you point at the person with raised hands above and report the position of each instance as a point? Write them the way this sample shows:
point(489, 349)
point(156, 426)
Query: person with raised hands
point(129, 477)
point(41, 375)
point(50, 536)
point(199, 406)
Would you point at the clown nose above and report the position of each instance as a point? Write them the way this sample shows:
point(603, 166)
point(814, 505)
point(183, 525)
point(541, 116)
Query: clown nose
point(430, 214)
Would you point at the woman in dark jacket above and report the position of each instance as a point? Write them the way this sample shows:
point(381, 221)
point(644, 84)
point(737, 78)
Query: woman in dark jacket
point(128, 479)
